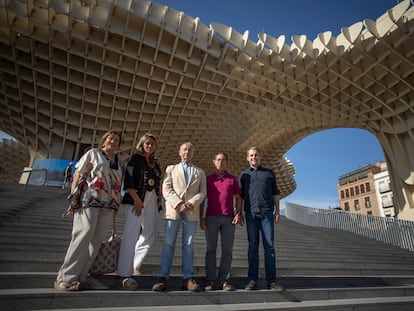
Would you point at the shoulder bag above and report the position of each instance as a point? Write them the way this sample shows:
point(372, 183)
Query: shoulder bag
point(107, 259)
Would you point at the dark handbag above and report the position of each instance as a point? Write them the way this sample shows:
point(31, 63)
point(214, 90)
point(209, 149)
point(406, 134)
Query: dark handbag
point(107, 259)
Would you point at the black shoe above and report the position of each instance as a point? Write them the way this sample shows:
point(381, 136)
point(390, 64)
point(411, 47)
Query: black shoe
point(160, 285)
point(275, 287)
point(210, 286)
point(251, 286)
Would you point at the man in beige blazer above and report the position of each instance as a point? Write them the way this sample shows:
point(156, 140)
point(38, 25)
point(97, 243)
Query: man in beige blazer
point(184, 189)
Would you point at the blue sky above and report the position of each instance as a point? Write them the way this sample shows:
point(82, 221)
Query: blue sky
point(3, 135)
point(321, 158)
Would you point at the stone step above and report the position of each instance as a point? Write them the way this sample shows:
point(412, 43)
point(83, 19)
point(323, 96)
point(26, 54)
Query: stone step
point(360, 304)
point(55, 253)
point(16, 280)
point(49, 299)
point(61, 229)
point(49, 265)
point(56, 249)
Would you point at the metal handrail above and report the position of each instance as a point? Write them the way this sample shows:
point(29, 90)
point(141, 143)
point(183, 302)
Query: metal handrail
point(390, 230)
point(30, 173)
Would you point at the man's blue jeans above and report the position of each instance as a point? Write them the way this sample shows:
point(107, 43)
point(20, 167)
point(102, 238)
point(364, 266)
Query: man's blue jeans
point(261, 223)
point(171, 231)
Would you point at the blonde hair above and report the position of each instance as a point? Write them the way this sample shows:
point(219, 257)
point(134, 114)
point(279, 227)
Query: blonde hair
point(140, 146)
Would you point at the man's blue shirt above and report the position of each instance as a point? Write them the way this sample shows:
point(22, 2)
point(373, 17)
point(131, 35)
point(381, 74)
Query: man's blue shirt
point(258, 188)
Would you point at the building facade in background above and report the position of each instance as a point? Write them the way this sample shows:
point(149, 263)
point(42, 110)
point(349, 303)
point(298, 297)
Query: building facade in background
point(383, 192)
point(367, 190)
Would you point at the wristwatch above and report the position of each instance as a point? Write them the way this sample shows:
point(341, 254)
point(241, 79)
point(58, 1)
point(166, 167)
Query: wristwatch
point(238, 212)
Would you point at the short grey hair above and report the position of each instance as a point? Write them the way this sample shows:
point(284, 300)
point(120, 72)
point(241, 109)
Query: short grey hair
point(253, 148)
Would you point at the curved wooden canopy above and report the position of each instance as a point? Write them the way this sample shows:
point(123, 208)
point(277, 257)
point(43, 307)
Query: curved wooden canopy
point(70, 70)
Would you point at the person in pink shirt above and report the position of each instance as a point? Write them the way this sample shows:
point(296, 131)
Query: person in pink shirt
point(223, 211)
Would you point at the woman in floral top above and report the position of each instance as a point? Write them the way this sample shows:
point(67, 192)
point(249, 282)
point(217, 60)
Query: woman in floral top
point(103, 173)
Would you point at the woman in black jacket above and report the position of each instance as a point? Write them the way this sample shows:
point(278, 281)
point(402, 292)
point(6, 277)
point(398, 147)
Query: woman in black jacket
point(142, 199)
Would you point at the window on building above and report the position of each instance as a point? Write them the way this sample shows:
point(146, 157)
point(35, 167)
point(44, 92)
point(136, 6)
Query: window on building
point(346, 206)
point(367, 202)
point(362, 188)
point(387, 202)
point(382, 187)
point(356, 204)
point(367, 187)
point(356, 190)
point(352, 192)
point(369, 213)
point(342, 194)
point(347, 193)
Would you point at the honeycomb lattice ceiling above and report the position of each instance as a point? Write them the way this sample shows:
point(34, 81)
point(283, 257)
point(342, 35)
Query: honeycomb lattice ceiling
point(70, 70)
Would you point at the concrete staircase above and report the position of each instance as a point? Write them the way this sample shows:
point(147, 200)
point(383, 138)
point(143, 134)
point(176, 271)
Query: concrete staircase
point(321, 269)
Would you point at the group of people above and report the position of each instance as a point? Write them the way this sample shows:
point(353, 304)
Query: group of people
point(215, 202)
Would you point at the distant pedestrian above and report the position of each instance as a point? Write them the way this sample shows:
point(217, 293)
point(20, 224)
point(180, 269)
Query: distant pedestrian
point(221, 217)
point(68, 175)
point(261, 205)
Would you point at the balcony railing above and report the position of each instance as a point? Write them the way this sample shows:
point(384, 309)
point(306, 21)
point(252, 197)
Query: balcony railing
point(389, 230)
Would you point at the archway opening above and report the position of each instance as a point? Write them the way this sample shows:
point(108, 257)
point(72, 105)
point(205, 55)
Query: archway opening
point(321, 158)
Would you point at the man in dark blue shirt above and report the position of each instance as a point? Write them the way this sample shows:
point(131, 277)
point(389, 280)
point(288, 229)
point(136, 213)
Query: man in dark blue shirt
point(261, 205)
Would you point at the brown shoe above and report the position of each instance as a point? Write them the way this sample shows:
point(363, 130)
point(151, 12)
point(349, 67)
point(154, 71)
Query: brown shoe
point(127, 283)
point(191, 285)
point(160, 285)
point(67, 286)
point(227, 287)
